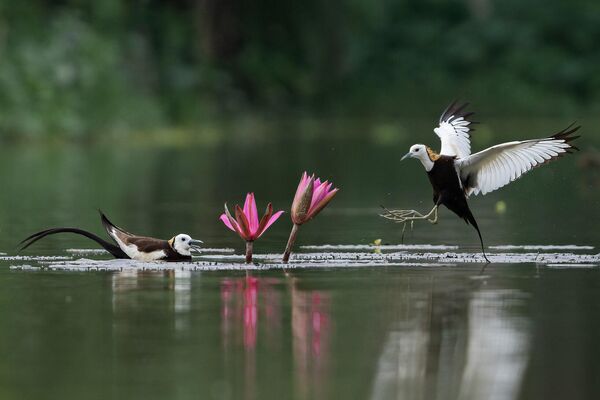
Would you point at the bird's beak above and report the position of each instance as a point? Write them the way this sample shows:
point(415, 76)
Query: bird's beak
point(195, 244)
point(405, 156)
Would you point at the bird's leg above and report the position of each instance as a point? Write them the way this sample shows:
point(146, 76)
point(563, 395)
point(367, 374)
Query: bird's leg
point(427, 217)
point(403, 230)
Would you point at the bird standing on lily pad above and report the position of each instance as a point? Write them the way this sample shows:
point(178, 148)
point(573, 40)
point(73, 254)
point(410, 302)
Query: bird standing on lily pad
point(246, 223)
point(455, 173)
point(311, 197)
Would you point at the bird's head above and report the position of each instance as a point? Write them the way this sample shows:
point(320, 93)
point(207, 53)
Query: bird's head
point(184, 244)
point(422, 153)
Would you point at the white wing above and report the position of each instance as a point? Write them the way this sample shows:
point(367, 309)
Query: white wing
point(499, 165)
point(453, 131)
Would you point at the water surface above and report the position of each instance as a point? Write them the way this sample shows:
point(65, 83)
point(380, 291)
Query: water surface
point(394, 327)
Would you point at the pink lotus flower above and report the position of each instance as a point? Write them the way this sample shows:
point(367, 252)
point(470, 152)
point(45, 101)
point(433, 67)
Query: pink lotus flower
point(311, 197)
point(246, 223)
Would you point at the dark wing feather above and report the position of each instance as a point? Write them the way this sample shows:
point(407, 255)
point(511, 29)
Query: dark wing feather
point(118, 234)
point(110, 226)
point(148, 244)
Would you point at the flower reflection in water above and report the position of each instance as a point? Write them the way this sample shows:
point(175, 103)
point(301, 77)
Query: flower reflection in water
point(311, 333)
point(250, 312)
point(249, 303)
point(240, 315)
point(239, 308)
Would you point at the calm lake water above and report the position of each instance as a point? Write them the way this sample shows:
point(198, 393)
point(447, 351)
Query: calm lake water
point(515, 331)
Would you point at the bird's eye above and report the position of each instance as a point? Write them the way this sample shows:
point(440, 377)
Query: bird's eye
point(416, 149)
point(183, 239)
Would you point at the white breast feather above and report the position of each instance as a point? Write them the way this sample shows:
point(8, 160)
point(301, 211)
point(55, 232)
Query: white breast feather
point(134, 254)
point(132, 251)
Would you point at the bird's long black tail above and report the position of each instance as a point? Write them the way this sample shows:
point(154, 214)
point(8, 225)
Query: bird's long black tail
point(111, 248)
point(471, 219)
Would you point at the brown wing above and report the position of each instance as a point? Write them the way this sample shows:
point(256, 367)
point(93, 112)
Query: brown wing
point(147, 244)
point(143, 243)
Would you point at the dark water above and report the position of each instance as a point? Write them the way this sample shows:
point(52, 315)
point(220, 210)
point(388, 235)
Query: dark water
point(525, 331)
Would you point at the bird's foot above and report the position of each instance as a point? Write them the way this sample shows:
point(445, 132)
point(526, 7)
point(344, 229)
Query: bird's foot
point(401, 215)
point(404, 216)
point(434, 220)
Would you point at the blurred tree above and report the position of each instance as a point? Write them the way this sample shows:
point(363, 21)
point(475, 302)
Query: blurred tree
point(79, 68)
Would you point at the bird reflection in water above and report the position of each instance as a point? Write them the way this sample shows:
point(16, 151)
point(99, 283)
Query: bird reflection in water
point(455, 343)
point(129, 292)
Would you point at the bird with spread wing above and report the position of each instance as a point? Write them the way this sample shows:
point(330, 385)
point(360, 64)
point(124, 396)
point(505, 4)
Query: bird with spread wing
point(455, 173)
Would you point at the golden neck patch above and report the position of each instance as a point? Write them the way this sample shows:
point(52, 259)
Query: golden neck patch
point(171, 241)
point(433, 156)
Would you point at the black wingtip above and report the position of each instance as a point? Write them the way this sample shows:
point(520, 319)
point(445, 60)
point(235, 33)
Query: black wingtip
point(104, 219)
point(567, 135)
point(457, 110)
point(446, 110)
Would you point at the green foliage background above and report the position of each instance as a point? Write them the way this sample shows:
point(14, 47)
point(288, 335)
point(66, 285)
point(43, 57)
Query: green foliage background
point(76, 68)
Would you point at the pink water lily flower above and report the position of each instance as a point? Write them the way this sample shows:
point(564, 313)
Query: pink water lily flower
point(312, 195)
point(246, 223)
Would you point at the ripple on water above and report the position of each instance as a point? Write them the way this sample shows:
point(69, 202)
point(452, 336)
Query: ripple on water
point(102, 251)
point(346, 256)
point(542, 247)
point(33, 258)
point(381, 247)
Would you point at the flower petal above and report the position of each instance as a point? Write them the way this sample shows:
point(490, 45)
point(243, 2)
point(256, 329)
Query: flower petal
point(301, 188)
point(318, 207)
point(328, 188)
point(233, 222)
point(251, 213)
point(243, 223)
point(271, 221)
point(226, 221)
point(318, 194)
point(265, 219)
point(301, 205)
